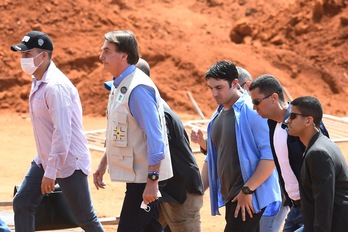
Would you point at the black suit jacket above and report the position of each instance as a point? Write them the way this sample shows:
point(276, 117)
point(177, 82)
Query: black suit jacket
point(295, 152)
point(186, 174)
point(324, 187)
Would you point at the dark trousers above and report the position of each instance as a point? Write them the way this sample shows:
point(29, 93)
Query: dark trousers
point(236, 224)
point(75, 189)
point(134, 218)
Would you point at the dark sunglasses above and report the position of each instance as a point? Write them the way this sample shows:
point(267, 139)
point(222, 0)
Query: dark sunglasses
point(293, 115)
point(257, 102)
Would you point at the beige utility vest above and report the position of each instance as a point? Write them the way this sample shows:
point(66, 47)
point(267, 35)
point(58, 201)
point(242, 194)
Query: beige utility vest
point(126, 142)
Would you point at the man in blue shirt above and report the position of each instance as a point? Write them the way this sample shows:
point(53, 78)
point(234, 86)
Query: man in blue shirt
point(137, 150)
point(241, 169)
point(268, 223)
point(185, 189)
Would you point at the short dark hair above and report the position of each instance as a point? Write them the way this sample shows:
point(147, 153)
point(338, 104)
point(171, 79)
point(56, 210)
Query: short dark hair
point(225, 70)
point(126, 42)
point(48, 52)
point(267, 85)
point(309, 106)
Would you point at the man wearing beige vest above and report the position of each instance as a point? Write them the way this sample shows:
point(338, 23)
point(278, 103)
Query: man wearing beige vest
point(137, 150)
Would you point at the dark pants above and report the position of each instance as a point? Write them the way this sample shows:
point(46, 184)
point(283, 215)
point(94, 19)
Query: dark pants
point(134, 218)
point(75, 189)
point(236, 224)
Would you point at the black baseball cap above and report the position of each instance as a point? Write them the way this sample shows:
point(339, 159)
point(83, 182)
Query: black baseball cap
point(34, 39)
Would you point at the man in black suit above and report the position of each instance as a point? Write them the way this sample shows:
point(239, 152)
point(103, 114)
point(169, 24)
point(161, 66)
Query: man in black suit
point(324, 171)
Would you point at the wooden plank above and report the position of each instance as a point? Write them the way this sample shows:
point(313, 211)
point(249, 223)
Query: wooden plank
point(6, 203)
point(195, 105)
point(110, 220)
point(337, 127)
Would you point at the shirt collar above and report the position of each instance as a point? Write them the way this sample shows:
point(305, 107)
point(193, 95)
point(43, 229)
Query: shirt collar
point(123, 75)
point(44, 78)
point(241, 100)
point(284, 125)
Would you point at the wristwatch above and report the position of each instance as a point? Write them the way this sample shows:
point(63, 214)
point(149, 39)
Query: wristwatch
point(153, 175)
point(246, 190)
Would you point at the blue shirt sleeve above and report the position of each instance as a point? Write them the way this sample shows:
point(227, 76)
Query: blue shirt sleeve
point(143, 107)
point(260, 132)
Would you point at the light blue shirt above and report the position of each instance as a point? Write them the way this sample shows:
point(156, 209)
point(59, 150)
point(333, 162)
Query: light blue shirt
point(143, 107)
point(253, 145)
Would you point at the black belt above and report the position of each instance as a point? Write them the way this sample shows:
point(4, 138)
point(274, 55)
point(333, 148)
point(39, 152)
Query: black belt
point(296, 203)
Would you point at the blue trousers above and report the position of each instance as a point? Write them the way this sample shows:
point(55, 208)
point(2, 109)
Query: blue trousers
point(3, 226)
point(75, 189)
point(294, 220)
point(274, 223)
point(134, 218)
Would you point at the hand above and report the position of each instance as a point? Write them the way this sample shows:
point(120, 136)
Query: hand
point(197, 136)
point(98, 176)
point(150, 193)
point(244, 203)
point(47, 185)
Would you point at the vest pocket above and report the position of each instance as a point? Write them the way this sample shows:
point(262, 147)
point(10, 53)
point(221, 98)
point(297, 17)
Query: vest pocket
point(121, 165)
point(119, 130)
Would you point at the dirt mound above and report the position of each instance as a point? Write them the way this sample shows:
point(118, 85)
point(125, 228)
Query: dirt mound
point(302, 43)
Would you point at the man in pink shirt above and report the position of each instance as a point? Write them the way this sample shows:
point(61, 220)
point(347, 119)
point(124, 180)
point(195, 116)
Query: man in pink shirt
point(62, 153)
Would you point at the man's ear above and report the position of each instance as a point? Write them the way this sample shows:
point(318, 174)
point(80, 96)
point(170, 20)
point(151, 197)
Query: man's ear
point(310, 120)
point(275, 96)
point(45, 55)
point(235, 83)
point(247, 84)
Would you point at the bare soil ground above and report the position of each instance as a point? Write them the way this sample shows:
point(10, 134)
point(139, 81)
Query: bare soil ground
point(18, 149)
point(302, 43)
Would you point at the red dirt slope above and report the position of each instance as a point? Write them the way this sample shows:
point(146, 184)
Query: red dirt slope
point(303, 43)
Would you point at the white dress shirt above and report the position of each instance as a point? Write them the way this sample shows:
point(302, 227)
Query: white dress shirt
point(281, 149)
point(56, 115)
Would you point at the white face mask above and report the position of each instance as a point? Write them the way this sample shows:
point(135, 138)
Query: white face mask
point(28, 65)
